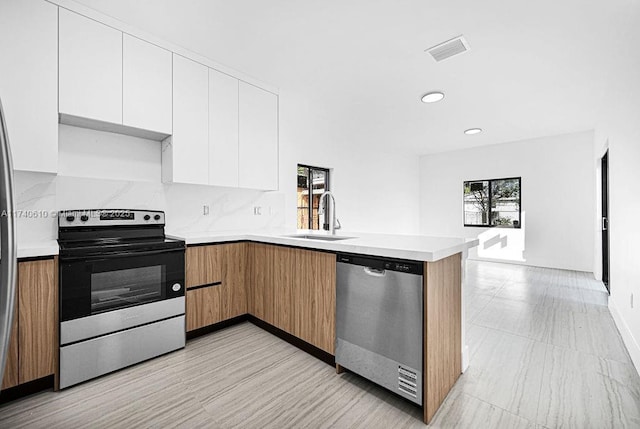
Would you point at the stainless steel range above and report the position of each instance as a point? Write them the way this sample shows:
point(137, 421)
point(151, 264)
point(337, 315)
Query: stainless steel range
point(122, 298)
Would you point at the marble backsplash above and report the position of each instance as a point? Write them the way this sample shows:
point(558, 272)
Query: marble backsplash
point(39, 196)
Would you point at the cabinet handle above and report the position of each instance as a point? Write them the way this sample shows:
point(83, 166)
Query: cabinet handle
point(203, 286)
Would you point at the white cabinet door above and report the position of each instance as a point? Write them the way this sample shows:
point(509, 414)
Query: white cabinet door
point(29, 82)
point(188, 159)
point(223, 129)
point(258, 138)
point(90, 68)
point(146, 85)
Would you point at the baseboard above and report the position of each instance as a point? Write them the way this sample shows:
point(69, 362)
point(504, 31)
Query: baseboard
point(627, 337)
point(217, 326)
point(26, 389)
point(314, 351)
point(465, 357)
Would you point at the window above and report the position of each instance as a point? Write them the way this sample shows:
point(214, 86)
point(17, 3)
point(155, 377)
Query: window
point(312, 182)
point(492, 203)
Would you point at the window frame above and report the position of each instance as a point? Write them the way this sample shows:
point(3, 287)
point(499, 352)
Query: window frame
point(490, 196)
point(327, 187)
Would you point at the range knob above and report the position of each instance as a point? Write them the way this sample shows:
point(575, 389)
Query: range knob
point(84, 218)
point(147, 217)
point(71, 218)
point(157, 217)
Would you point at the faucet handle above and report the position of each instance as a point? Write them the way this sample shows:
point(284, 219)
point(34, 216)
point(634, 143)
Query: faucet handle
point(338, 225)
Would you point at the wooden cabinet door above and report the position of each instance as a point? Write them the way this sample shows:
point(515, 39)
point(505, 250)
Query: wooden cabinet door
point(37, 319)
point(233, 291)
point(314, 298)
point(283, 287)
point(185, 156)
point(258, 123)
point(203, 265)
point(203, 307)
point(260, 281)
point(90, 67)
point(223, 129)
point(11, 368)
point(146, 85)
point(29, 82)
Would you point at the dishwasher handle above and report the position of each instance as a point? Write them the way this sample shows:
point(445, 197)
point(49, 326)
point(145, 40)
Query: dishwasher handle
point(375, 272)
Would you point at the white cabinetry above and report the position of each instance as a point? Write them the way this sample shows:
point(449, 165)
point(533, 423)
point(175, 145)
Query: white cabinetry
point(90, 69)
point(258, 138)
point(146, 80)
point(185, 155)
point(223, 129)
point(29, 82)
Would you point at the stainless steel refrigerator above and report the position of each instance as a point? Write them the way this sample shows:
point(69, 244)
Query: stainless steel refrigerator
point(8, 255)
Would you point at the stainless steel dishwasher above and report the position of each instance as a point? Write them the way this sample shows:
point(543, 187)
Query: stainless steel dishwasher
point(379, 309)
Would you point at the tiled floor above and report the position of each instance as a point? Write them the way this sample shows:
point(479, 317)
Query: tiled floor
point(544, 354)
point(544, 347)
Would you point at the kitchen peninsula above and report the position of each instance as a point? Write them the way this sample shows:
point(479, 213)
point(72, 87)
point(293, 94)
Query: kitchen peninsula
point(288, 281)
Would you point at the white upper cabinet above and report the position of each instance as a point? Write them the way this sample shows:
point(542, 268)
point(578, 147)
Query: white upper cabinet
point(185, 156)
point(258, 138)
point(146, 80)
point(90, 64)
point(223, 129)
point(29, 82)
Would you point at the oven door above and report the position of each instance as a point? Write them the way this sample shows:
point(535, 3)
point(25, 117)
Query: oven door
point(98, 284)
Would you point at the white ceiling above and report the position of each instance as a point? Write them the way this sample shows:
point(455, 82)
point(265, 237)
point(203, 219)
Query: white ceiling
point(535, 68)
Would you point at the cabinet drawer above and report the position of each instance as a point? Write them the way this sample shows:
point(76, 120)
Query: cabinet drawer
point(203, 265)
point(203, 307)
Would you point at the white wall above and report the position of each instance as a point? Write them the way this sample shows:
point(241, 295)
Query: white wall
point(619, 132)
point(375, 191)
point(557, 199)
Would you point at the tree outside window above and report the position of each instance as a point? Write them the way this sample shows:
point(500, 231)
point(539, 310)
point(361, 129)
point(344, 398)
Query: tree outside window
point(492, 203)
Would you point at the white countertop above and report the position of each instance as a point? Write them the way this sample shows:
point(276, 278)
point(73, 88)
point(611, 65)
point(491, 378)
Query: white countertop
point(41, 248)
point(412, 247)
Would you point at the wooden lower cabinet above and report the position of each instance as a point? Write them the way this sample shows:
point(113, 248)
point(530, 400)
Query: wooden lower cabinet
point(314, 298)
point(203, 307)
point(33, 344)
point(294, 290)
point(203, 265)
point(442, 330)
point(233, 291)
point(216, 284)
point(291, 289)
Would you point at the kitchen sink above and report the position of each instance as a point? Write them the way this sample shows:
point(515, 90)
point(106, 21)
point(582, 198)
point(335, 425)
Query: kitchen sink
point(318, 237)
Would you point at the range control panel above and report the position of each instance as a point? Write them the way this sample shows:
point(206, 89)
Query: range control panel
point(111, 217)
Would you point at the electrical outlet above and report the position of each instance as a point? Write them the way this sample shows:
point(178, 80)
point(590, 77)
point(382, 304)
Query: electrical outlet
point(257, 211)
point(205, 210)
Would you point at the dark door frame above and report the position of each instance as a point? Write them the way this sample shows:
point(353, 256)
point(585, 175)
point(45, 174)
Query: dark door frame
point(604, 170)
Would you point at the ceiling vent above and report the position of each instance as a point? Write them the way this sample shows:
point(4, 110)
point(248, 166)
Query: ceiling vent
point(449, 48)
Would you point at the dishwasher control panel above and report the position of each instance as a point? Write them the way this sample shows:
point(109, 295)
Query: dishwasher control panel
point(395, 266)
point(409, 267)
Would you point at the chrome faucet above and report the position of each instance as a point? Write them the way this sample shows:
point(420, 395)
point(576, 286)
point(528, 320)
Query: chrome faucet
point(334, 223)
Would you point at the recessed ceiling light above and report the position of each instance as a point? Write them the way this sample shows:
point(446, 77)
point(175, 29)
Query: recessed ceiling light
point(472, 131)
point(432, 97)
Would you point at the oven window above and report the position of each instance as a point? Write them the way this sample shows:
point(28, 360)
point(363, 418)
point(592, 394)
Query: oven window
point(124, 288)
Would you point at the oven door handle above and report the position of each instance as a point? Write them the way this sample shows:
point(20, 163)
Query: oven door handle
point(120, 254)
